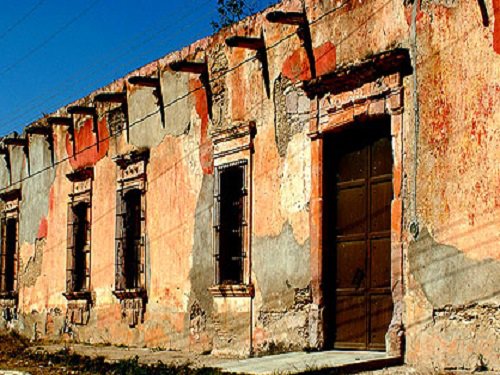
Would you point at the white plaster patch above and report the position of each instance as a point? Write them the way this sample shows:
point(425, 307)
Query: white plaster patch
point(296, 178)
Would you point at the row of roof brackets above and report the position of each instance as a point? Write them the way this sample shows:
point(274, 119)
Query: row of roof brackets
point(199, 67)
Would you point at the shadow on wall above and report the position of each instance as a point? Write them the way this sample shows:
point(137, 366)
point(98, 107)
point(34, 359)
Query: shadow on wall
point(449, 277)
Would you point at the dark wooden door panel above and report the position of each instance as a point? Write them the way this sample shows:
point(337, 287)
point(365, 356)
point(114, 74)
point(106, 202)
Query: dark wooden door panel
point(351, 309)
point(358, 175)
point(351, 259)
point(380, 210)
point(380, 317)
point(380, 263)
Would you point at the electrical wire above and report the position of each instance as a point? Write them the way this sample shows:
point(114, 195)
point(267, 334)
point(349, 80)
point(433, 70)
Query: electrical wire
point(181, 97)
point(78, 77)
point(22, 19)
point(46, 41)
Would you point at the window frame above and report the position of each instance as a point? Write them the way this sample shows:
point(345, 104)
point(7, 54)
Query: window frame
point(131, 170)
point(233, 147)
point(81, 193)
point(217, 222)
point(10, 211)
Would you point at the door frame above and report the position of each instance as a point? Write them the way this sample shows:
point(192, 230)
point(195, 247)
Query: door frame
point(340, 100)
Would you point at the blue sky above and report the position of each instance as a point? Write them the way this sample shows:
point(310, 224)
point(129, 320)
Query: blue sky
point(55, 51)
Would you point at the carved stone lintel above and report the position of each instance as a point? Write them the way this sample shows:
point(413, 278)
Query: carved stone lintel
point(133, 310)
point(8, 308)
point(78, 311)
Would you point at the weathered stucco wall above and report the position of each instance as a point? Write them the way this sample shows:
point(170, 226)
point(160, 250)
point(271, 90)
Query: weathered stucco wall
point(450, 112)
point(453, 268)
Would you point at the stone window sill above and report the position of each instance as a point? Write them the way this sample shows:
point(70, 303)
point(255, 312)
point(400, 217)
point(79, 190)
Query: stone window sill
point(130, 293)
point(232, 290)
point(8, 295)
point(82, 295)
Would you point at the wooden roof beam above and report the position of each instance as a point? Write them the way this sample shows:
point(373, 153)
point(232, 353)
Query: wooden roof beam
point(15, 141)
point(144, 81)
point(287, 18)
point(189, 66)
point(82, 110)
point(246, 42)
point(111, 97)
point(61, 121)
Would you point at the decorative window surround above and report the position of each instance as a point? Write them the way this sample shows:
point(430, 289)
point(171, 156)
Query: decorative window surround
point(9, 288)
point(363, 90)
point(233, 147)
point(79, 296)
point(131, 177)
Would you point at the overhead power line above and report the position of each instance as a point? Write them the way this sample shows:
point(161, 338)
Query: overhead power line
point(138, 41)
point(185, 95)
point(52, 36)
point(22, 19)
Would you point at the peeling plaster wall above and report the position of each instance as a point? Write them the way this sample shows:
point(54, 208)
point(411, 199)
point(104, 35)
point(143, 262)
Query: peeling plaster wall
point(450, 269)
point(453, 265)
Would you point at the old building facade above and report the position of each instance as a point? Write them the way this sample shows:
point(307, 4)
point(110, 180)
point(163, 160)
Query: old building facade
point(324, 174)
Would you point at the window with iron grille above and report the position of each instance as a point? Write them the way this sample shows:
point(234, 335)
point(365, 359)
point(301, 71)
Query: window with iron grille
point(9, 255)
point(130, 251)
point(130, 256)
point(78, 246)
point(78, 257)
point(229, 222)
point(9, 248)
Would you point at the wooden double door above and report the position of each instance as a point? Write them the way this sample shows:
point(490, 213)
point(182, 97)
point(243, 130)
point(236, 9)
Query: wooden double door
point(357, 232)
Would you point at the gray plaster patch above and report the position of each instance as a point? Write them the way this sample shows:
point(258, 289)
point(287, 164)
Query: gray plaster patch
point(202, 272)
point(144, 119)
point(448, 277)
point(18, 164)
point(177, 104)
point(280, 265)
point(4, 173)
point(292, 109)
point(36, 190)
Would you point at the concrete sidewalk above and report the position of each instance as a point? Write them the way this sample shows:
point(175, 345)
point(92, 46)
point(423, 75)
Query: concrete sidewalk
point(288, 363)
point(299, 362)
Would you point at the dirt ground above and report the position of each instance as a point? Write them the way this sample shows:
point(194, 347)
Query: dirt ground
point(17, 353)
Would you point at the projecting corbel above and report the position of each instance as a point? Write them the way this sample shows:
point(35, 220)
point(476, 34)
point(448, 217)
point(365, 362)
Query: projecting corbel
point(4, 151)
point(196, 67)
point(153, 82)
point(304, 32)
point(16, 141)
point(87, 111)
point(47, 133)
point(65, 121)
point(256, 44)
point(119, 98)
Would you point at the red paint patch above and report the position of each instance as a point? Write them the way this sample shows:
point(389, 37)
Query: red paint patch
point(206, 149)
point(42, 228)
point(297, 67)
point(326, 58)
point(86, 147)
point(440, 121)
point(409, 10)
point(496, 28)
